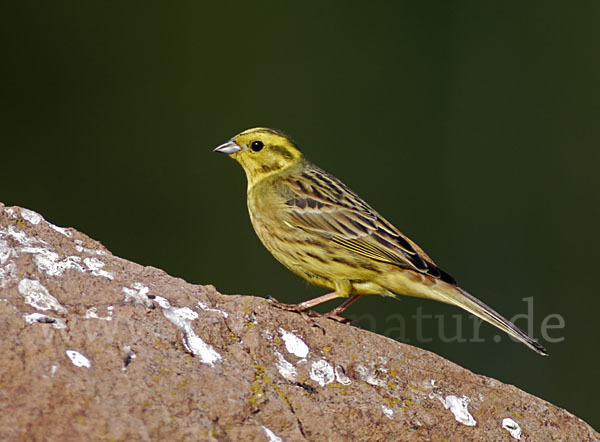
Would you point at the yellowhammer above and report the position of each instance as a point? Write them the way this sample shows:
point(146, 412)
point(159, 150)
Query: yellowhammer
point(322, 231)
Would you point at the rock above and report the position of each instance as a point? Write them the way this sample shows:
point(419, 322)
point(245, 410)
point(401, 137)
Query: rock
point(97, 347)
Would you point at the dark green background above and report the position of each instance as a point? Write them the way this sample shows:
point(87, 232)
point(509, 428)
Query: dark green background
point(472, 126)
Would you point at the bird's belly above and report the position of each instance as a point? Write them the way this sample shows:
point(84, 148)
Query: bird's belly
point(318, 260)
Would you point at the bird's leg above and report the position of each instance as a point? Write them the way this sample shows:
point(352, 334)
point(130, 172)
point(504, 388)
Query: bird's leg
point(335, 313)
point(303, 306)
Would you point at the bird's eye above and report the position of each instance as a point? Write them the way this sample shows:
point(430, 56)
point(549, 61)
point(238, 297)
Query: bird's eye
point(257, 145)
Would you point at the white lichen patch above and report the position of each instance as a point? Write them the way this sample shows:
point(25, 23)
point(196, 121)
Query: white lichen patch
point(206, 308)
point(369, 376)
point(138, 294)
point(79, 247)
point(512, 427)
point(285, 368)
point(51, 263)
point(387, 411)
point(57, 323)
point(340, 376)
point(459, 408)
point(8, 268)
point(31, 216)
point(322, 372)
point(61, 230)
point(92, 313)
point(37, 296)
point(78, 359)
point(8, 273)
point(293, 344)
point(97, 267)
point(182, 317)
point(5, 251)
point(18, 235)
point(271, 436)
point(45, 257)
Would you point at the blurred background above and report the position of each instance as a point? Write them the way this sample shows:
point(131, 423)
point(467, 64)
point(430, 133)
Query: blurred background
point(471, 126)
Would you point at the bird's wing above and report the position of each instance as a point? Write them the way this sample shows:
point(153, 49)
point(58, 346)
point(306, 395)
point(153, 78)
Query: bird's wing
point(321, 204)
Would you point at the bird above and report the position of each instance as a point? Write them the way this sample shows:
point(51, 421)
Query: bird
point(321, 230)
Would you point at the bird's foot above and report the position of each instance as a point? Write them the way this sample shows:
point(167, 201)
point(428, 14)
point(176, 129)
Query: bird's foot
point(309, 315)
point(289, 307)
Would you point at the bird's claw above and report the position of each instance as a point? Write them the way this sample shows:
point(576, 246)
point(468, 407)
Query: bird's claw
point(337, 318)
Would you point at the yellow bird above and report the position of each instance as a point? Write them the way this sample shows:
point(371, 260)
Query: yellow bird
point(324, 232)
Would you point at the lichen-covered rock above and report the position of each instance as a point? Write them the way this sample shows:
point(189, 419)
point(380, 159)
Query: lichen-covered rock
point(97, 347)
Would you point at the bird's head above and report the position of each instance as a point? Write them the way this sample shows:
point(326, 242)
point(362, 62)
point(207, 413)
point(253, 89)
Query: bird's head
point(261, 152)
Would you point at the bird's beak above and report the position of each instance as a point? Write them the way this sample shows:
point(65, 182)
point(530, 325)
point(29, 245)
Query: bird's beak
point(228, 148)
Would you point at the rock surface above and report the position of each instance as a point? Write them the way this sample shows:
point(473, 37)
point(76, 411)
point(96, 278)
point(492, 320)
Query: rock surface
point(97, 347)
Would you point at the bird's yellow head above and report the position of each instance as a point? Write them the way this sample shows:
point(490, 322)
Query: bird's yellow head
point(261, 152)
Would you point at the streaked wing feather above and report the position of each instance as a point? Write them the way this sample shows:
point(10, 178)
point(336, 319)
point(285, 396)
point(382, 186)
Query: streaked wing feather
point(324, 205)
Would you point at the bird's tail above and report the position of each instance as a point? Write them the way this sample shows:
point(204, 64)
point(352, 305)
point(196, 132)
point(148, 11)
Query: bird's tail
point(456, 296)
